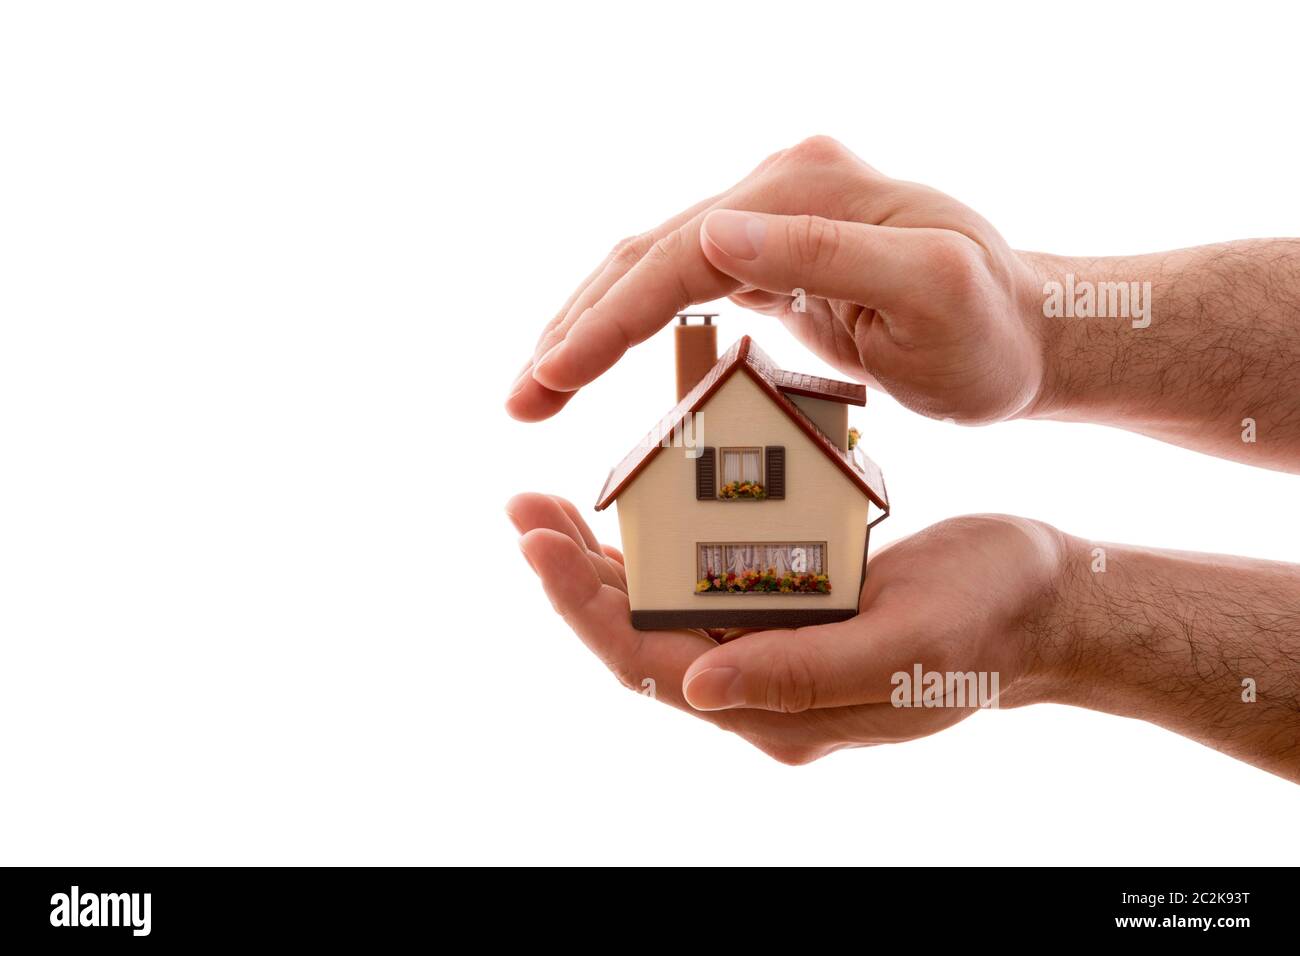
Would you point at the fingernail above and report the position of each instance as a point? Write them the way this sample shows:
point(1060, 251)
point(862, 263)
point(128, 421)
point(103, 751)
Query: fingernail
point(738, 234)
point(527, 558)
point(715, 688)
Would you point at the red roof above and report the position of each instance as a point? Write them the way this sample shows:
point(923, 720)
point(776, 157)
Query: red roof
point(814, 386)
point(775, 383)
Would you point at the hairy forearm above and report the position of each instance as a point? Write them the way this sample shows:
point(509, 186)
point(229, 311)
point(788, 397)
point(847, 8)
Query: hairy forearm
point(1205, 645)
point(1213, 364)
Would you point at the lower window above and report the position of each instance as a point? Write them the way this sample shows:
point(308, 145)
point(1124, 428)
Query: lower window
point(762, 567)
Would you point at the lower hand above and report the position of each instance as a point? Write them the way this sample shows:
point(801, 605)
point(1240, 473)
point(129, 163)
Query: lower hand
point(965, 595)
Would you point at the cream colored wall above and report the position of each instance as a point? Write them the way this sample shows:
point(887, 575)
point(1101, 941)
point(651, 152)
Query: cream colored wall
point(830, 417)
point(662, 521)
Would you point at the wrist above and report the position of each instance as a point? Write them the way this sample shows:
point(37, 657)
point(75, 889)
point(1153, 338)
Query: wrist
point(1054, 644)
point(1051, 397)
point(1101, 358)
point(1100, 610)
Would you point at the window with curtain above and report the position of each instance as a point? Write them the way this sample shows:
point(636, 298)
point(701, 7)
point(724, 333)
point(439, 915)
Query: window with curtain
point(742, 464)
point(721, 566)
point(711, 560)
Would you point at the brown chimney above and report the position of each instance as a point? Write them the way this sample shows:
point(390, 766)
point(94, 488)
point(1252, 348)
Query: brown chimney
point(697, 350)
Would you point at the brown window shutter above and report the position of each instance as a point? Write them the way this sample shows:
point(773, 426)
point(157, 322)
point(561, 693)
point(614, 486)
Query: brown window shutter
point(775, 484)
point(706, 469)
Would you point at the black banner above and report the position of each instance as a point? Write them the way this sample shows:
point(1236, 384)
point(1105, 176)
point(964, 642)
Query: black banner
point(164, 907)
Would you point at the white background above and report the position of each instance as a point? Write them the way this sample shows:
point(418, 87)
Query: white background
point(266, 272)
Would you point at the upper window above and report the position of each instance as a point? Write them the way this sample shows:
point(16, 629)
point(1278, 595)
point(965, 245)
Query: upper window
point(742, 473)
point(748, 473)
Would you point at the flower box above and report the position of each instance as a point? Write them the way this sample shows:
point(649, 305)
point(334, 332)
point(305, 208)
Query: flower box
point(742, 491)
point(763, 582)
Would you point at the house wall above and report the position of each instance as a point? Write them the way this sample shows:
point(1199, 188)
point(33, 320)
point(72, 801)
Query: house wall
point(831, 417)
point(662, 521)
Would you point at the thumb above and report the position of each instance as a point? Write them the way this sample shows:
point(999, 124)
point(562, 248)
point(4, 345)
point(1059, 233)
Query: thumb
point(827, 665)
point(876, 266)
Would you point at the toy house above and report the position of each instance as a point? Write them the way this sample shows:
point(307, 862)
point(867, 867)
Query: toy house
point(746, 506)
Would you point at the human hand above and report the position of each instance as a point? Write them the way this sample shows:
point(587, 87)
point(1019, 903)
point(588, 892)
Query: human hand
point(904, 288)
point(965, 595)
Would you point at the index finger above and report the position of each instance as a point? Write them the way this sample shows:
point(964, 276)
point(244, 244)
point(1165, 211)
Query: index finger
point(530, 400)
point(672, 276)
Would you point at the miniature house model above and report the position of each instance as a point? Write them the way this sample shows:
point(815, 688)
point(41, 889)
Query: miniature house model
point(745, 506)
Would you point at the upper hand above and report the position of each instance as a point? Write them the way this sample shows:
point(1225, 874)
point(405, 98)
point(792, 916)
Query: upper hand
point(904, 288)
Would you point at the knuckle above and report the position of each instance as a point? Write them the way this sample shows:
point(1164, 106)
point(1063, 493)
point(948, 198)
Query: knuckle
point(666, 256)
point(627, 252)
point(627, 668)
point(792, 755)
point(553, 332)
point(666, 248)
point(953, 262)
point(813, 240)
point(624, 672)
point(817, 149)
point(790, 688)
